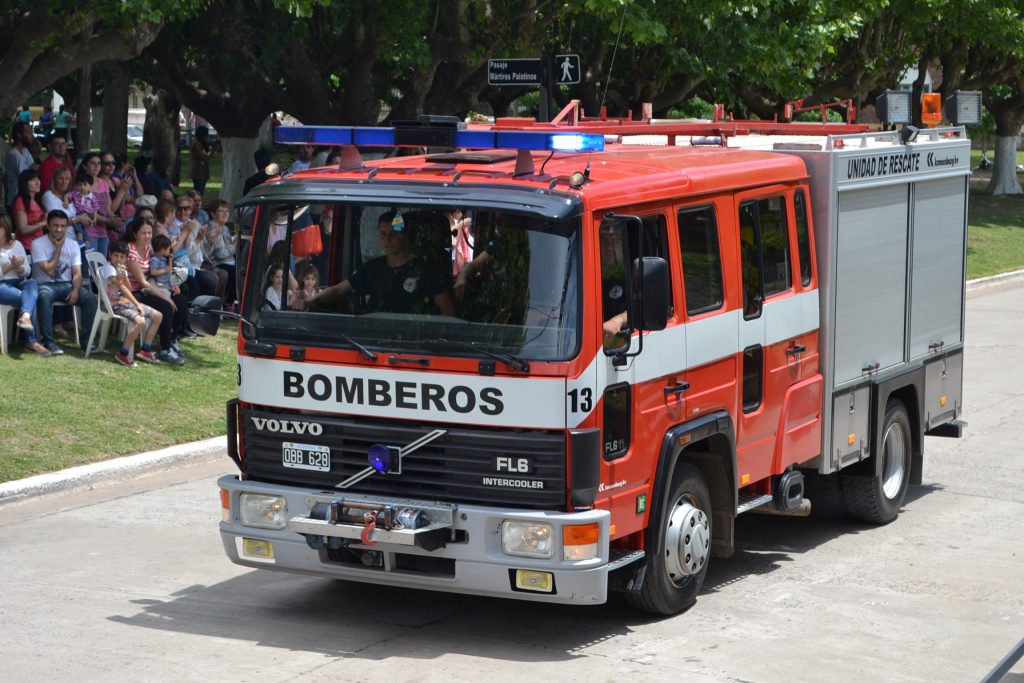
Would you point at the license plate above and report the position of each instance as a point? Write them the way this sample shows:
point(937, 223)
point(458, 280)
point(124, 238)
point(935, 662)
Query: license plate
point(304, 456)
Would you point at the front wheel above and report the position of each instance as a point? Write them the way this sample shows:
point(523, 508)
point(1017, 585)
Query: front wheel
point(679, 550)
point(878, 499)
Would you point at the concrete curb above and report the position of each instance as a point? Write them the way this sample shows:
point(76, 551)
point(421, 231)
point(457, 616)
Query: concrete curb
point(995, 280)
point(134, 464)
point(128, 465)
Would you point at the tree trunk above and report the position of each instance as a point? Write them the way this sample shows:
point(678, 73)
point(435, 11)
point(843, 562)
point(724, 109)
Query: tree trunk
point(266, 135)
point(115, 110)
point(161, 131)
point(238, 165)
point(1004, 171)
point(83, 135)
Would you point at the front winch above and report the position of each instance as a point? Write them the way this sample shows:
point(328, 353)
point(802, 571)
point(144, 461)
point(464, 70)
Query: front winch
point(339, 522)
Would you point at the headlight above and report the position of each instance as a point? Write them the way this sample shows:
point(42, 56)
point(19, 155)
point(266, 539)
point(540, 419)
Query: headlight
point(527, 539)
point(265, 512)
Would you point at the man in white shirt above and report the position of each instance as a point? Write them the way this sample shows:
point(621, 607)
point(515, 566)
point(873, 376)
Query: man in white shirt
point(305, 158)
point(57, 267)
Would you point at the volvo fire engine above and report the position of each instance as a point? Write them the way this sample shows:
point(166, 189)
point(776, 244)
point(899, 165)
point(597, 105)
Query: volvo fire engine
point(545, 361)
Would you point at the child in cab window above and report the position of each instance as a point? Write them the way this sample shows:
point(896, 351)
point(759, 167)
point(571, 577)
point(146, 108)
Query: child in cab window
point(310, 285)
point(272, 290)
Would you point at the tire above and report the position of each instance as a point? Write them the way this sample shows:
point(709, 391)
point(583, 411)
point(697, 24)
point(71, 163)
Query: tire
point(678, 557)
point(878, 499)
point(826, 495)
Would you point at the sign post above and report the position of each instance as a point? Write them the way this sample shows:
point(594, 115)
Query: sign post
point(546, 73)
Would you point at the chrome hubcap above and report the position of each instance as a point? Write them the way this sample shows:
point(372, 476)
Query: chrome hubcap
point(894, 447)
point(687, 540)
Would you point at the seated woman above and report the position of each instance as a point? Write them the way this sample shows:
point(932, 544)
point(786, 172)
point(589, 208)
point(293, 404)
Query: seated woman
point(16, 287)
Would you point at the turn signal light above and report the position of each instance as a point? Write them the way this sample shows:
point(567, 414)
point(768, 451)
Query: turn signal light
point(225, 505)
point(579, 541)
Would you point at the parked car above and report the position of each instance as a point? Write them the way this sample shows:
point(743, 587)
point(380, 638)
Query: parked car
point(134, 136)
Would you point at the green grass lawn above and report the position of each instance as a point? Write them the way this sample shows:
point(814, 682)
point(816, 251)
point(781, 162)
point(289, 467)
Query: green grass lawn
point(68, 410)
point(995, 235)
point(71, 410)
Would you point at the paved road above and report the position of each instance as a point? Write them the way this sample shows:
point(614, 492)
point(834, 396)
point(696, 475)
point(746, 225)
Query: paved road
point(128, 582)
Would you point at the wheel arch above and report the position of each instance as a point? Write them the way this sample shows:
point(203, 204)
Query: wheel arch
point(709, 444)
point(908, 388)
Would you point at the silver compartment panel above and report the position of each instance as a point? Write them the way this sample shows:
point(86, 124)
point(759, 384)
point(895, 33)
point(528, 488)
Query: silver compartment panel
point(850, 414)
point(943, 378)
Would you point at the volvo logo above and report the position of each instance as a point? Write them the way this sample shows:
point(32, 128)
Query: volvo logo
point(288, 426)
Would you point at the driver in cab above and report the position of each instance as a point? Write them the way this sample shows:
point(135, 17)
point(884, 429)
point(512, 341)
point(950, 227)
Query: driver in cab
point(397, 281)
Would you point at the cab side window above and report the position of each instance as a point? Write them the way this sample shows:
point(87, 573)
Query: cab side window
point(614, 293)
point(764, 244)
point(653, 240)
point(803, 240)
point(775, 245)
point(702, 263)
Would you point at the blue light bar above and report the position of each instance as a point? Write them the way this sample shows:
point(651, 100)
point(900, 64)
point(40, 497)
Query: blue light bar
point(576, 142)
point(330, 136)
point(468, 139)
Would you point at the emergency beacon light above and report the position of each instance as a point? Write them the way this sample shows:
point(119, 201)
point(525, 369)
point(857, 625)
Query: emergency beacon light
point(931, 109)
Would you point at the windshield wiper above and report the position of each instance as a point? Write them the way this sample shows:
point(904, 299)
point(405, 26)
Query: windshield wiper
point(513, 362)
point(363, 351)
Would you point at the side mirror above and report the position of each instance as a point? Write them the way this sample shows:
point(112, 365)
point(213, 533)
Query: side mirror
point(655, 293)
point(204, 315)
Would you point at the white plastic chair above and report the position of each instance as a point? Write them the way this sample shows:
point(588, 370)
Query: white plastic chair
point(104, 309)
point(7, 317)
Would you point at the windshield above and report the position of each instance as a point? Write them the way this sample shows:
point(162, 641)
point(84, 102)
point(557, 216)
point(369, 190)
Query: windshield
point(463, 281)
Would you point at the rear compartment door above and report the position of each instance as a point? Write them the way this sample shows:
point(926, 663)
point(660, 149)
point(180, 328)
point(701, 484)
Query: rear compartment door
point(870, 284)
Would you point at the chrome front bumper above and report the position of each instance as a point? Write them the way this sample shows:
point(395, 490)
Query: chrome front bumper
point(467, 539)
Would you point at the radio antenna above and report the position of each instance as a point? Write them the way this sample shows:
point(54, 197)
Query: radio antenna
point(585, 176)
point(611, 66)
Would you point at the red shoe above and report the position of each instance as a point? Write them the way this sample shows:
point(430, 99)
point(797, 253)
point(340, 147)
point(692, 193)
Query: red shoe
point(124, 360)
point(147, 356)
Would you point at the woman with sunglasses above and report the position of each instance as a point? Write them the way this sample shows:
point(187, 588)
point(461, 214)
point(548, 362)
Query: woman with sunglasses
point(107, 223)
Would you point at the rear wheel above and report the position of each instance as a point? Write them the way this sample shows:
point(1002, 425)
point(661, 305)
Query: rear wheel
point(825, 493)
point(677, 559)
point(878, 499)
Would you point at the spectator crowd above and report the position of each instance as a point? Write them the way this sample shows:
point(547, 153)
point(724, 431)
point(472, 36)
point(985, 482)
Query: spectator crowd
point(160, 248)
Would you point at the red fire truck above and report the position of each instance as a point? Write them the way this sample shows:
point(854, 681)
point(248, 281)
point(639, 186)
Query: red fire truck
point(542, 361)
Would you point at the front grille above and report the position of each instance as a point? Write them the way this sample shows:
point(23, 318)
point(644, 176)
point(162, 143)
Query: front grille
point(452, 468)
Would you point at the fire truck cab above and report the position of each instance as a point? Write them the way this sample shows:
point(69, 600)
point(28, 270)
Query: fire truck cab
point(548, 361)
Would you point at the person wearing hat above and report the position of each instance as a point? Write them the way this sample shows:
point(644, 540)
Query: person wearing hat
point(146, 201)
point(397, 281)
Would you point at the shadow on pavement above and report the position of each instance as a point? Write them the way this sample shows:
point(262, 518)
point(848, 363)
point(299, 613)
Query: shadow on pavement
point(764, 543)
point(347, 619)
point(366, 621)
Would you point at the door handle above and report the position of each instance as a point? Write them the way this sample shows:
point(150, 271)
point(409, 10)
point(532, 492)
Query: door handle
point(795, 349)
point(677, 388)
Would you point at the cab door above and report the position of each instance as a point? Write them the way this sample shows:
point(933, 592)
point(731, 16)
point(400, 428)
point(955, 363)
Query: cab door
point(641, 393)
point(770, 327)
